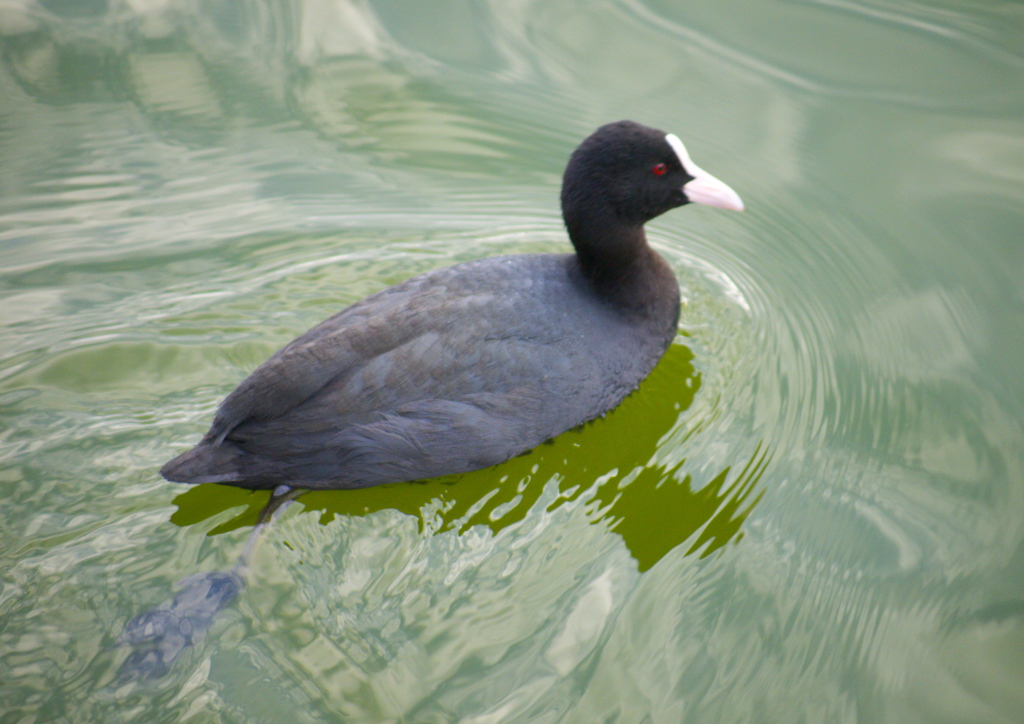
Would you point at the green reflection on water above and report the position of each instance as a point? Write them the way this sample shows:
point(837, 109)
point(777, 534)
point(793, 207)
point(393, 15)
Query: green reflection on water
point(654, 508)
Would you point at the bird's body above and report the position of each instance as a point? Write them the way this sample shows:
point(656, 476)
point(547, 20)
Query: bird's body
point(464, 367)
point(451, 371)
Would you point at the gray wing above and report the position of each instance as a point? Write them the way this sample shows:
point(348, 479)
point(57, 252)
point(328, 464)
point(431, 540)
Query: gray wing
point(338, 348)
point(423, 410)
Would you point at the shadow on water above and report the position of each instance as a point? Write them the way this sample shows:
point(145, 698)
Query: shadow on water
point(653, 508)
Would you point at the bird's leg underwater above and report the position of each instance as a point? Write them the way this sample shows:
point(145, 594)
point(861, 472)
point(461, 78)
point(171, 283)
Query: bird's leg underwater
point(160, 635)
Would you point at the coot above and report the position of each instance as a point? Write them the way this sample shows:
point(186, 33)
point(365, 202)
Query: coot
point(465, 367)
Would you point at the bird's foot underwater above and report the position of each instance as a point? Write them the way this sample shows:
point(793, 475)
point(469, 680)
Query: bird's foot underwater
point(160, 635)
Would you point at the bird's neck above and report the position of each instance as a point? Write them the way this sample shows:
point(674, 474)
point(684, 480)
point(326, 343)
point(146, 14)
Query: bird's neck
point(605, 245)
point(621, 266)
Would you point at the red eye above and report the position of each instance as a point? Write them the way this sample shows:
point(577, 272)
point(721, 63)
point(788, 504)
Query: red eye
point(660, 169)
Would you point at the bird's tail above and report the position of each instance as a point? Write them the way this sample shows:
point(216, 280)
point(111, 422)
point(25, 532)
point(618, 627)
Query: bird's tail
point(207, 462)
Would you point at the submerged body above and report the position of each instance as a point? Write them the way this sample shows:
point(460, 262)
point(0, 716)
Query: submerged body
point(464, 367)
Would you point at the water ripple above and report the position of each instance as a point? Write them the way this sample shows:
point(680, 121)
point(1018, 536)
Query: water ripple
point(811, 512)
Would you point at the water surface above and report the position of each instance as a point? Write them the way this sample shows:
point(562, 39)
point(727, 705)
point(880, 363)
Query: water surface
point(812, 511)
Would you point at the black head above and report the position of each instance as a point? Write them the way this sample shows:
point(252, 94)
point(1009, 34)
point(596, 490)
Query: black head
point(628, 174)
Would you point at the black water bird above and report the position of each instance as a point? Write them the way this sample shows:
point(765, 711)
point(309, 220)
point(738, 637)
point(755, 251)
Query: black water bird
point(465, 367)
point(454, 370)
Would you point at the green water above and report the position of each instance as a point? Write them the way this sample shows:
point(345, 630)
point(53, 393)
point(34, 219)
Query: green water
point(813, 510)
